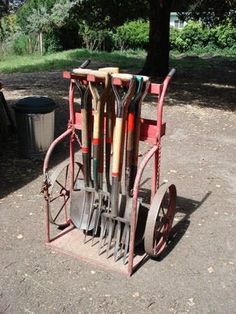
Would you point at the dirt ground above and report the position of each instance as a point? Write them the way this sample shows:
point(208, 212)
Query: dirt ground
point(197, 272)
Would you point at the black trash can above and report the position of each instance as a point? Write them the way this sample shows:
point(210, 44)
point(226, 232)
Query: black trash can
point(35, 118)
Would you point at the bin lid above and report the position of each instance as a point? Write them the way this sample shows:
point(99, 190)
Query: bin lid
point(35, 104)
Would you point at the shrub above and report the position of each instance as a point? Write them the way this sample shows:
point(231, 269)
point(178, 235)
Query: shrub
point(131, 35)
point(196, 37)
point(52, 41)
point(94, 39)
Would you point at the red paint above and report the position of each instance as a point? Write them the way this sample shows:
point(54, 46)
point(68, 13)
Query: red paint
point(96, 141)
point(85, 150)
point(131, 121)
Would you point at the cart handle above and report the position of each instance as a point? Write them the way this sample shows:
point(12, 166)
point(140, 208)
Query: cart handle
point(171, 73)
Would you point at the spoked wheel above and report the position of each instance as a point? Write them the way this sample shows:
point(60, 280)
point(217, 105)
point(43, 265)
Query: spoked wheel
point(59, 192)
point(160, 219)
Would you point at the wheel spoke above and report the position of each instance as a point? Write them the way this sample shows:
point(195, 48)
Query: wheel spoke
point(77, 175)
point(65, 201)
point(59, 193)
point(62, 186)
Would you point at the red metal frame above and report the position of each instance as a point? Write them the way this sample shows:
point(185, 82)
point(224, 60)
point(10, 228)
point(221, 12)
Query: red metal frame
point(151, 132)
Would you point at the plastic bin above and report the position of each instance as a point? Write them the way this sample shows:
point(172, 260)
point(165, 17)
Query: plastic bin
point(35, 120)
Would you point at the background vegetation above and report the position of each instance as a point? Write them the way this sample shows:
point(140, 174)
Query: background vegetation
point(48, 26)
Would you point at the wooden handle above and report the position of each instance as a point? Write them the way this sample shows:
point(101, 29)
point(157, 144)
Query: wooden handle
point(98, 74)
point(122, 76)
point(117, 149)
point(81, 72)
point(109, 70)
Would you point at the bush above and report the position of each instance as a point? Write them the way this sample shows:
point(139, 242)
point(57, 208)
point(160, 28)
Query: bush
point(52, 42)
point(195, 37)
point(95, 39)
point(131, 35)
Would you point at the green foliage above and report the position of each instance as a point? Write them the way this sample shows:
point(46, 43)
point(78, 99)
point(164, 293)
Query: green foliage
point(211, 12)
point(197, 38)
point(133, 34)
point(8, 26)
point(94, 39)
point(52, 42)
point(20, 44)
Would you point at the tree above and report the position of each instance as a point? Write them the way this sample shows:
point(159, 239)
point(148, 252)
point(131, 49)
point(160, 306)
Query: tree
point(211, 12)
point(39, 22)
point(157, 60)
point(4, 7)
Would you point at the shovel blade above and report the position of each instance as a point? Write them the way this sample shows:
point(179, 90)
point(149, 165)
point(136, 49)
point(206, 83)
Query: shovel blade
point(81, 213)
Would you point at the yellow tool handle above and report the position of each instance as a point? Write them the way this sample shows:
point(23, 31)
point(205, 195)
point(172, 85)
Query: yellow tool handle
point(117, 143)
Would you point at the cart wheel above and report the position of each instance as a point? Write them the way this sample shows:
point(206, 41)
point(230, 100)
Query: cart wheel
point(59, 192)
point(160, 219)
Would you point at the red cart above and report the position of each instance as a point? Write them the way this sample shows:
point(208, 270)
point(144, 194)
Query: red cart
point(91, 212)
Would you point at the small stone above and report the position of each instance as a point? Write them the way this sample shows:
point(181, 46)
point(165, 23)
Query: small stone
point(20, 236)
point(136, 295)
point(190, 302)
point(93, 272)
point(218, 185)
point(210, 270)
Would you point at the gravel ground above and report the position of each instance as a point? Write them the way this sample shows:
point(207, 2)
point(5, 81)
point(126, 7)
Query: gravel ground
point(196, 274)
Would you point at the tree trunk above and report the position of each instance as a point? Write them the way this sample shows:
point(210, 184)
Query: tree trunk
point(41, 43)
point(157, 60)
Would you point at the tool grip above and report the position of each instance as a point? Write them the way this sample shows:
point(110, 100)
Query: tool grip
point(85, 64)
point(171, 73)
point(117, 149)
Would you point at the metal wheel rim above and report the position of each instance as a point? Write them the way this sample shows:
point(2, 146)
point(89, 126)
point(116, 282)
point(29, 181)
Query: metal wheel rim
point(157, 229)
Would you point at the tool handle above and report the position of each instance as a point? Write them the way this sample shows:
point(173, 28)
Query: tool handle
point(85, 64)
point(109, 70)
point(117, 143)
point(171, 73)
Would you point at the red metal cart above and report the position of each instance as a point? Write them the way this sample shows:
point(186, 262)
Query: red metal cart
point(154, 219)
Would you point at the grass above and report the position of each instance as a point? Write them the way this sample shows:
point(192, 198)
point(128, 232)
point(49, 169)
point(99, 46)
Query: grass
point(129, 60)
point(68, 59)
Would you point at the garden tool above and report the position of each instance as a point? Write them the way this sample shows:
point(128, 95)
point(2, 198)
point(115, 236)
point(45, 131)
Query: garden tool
point(132, 151)
point(110, 115)
point(99, 92)
point(82, 198)
point(133, 125)
point(132, 143)
point(111, 221)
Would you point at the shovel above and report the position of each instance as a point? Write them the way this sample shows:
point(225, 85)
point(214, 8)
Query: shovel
point(99, 92)
point(81, 197)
